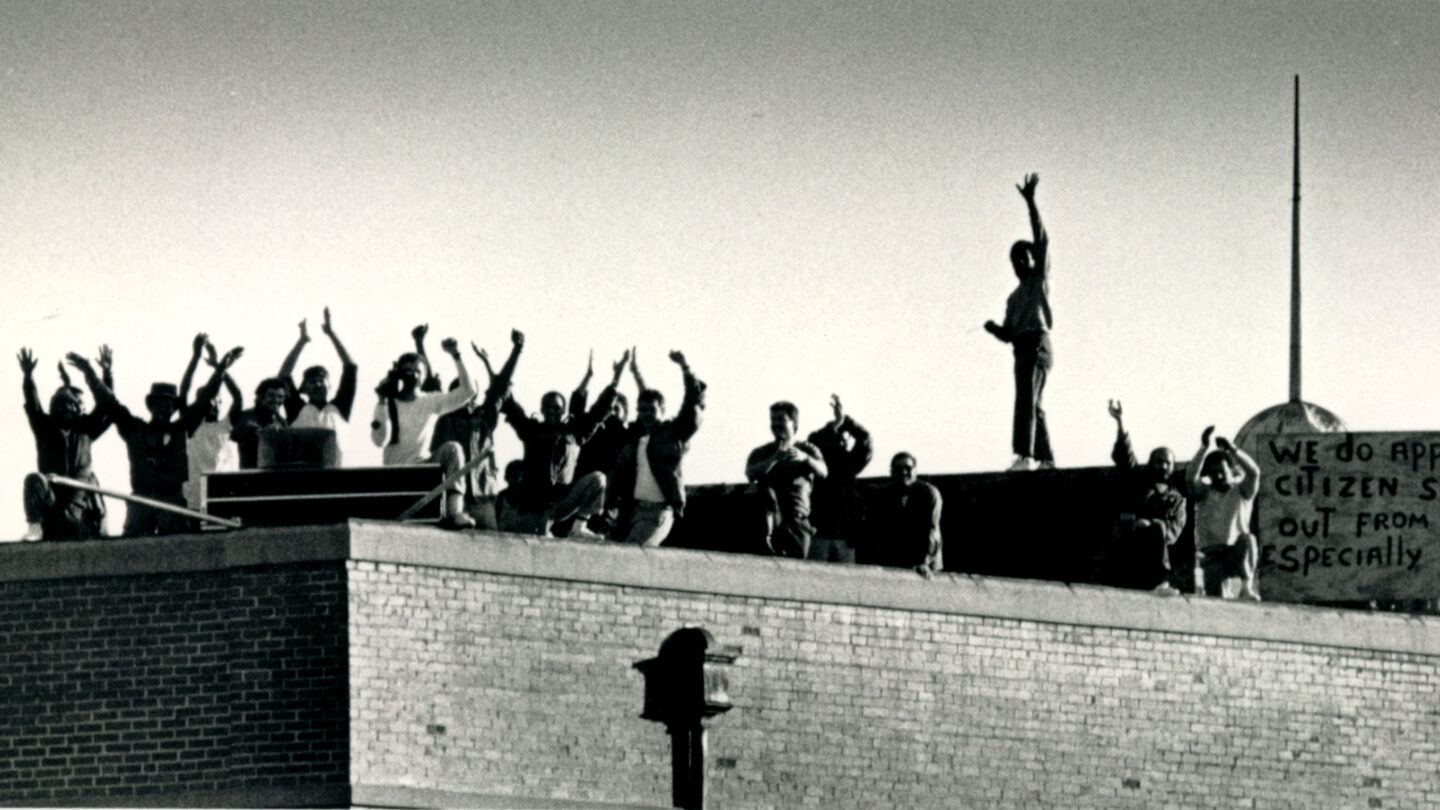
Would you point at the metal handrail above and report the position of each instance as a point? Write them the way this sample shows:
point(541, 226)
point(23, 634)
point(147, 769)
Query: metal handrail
point(230, 523)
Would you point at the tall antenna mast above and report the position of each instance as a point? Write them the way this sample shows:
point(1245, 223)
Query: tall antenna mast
point(1295, 261)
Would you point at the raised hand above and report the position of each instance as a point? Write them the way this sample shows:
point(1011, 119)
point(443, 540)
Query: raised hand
point(198, 345)
point(107, 358)
point(480, 353)
point(517, 338)
point(64, 375)
point(1115, 411)
point(27, 361)
point(590, 364)
point(80, 363)
point(1205, 437)
point(1027, 190)
point(231, 356)
point(837, 408)
point(325, 327)
point(620, 366)
point(211, 359)
point(304, 332)
point(677, 357)
point(450, 347)
point(420, 332)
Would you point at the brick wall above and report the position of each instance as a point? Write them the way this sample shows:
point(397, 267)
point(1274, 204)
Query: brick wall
point(188, 683)
point(518, 680)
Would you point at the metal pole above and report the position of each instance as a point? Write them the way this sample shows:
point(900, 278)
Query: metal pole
point(687, 750)
point(1295, 262)
point(231, 523)
point(441, 487)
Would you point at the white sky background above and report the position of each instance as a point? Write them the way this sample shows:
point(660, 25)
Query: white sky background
point(805, 198)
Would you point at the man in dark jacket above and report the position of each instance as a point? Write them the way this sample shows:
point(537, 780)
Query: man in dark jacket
point(62, 447)
point(838, 509)
point(1151, 518)
point(647, 478)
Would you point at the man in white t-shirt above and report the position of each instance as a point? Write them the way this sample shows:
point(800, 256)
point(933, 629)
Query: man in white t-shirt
point(1224, 482)
point(210, 448)
point(405, 418)
point(311, 406)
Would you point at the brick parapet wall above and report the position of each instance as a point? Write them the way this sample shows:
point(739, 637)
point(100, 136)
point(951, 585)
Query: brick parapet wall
point(131, 670)
point(492, 670)
point(502, 665)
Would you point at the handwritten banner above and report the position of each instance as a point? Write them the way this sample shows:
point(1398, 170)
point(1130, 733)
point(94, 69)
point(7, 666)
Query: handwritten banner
point(1349, 516)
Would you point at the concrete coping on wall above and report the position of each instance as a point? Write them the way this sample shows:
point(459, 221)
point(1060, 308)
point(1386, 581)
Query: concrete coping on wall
point(724, 574)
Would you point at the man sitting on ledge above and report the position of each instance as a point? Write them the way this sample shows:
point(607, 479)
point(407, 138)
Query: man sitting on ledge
point(1139, 552)
point(405, 418)
point(62, 447)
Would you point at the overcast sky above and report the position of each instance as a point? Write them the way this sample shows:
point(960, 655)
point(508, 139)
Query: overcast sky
point(806, 198)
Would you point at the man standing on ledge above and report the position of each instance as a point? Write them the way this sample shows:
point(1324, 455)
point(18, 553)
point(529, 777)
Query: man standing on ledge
point(648, 476)
point(783, 472)
point(1027, 329)
point(1224, 482)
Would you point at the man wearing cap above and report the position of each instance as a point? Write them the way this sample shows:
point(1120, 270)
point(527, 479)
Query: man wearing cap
point(311, 406)
point(62, 447)
point(159, 465)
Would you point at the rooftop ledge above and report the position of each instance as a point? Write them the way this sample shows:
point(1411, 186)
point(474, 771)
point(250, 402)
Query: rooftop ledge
point(723, 574)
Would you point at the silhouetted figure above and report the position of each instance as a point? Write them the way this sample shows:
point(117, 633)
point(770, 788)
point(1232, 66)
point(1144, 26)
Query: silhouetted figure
point(311, 405)
point(838, 511)
point(783, 473)
point(648, 481)
point(904, 522)
point(507, 513)
point(473, 428)
point(1224, 482)
point(405, 418)
point(1151, 520)
point(62, 447)
point(1027, 328)
point(599, 452)
point(549, 487)
point(210, 448)
point(159, 462)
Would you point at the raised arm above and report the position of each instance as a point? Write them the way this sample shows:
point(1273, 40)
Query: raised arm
point(499, 388)
point(456, 398)
point(105, 401)
point(1250, 487)
point(582, 427)
point(580, 397)
point(431, 382)
point(1041, 240)
point(197, 347)
point(344, 399)
point(1123, 454)
point(33, 410)
point(194, 413)
point(237, 399)
point(635, 368)
point(287, 368)
point(691, 410)
point(1192, 475)
point(484, 360)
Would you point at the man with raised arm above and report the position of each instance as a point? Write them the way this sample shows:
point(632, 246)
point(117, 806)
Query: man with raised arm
point(905, 522)
point(837, 514)
point(549, 487)
point(1224, 481)
point(63, 440)
point(159, 463)
point(473, 429)
point(648, 481)
point(312, 406)
point(405, 418)
point(783, 473)
point(1027, 329)
point(1152, 520)
point(210, 448)
point(431, 382)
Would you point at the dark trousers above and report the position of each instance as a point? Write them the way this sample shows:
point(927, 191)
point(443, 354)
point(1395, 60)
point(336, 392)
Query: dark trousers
point(786, 534)
point(64, 513)
point(143, 521)
point(1032, 364)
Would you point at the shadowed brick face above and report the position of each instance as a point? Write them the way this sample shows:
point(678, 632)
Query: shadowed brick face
point(502, 684)
point(192, 682)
